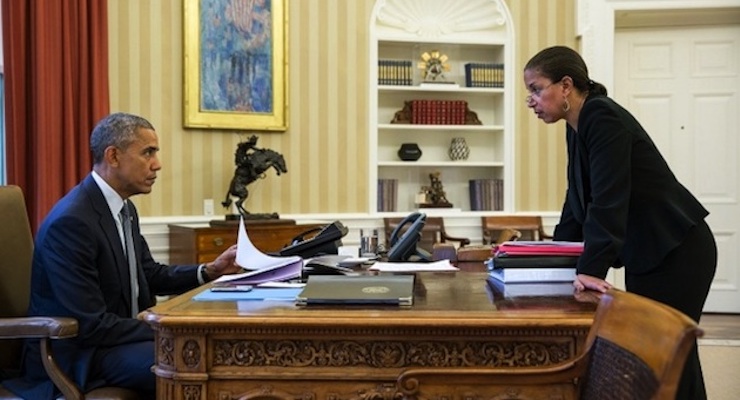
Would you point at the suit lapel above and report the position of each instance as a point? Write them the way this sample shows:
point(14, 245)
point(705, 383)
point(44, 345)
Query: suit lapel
point(110, 230)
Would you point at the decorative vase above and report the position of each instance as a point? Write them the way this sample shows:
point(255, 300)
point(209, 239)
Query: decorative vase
point(459, 149)
point(409, 152)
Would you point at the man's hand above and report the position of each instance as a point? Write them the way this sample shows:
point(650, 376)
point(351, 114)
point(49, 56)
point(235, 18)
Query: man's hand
point(223, 264)
point(584, 282)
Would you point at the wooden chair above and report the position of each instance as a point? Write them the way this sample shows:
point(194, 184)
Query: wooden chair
point(636, 349)
point(433, 233)
point(530, 227)
point(16, 251)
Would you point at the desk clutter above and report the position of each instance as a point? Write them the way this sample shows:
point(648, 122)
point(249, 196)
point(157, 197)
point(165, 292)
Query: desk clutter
point(533, 268)
point(309, 271)
point(296, 274)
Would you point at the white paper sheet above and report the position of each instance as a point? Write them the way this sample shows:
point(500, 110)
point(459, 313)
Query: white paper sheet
point(437, 266)
point(257, 263)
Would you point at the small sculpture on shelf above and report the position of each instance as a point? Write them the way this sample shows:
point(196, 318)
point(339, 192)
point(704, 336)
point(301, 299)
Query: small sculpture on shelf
point(251, 164)
point(435, 193)
point(433, 65)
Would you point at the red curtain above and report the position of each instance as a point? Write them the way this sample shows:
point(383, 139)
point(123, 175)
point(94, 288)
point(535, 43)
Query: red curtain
point(56, 89)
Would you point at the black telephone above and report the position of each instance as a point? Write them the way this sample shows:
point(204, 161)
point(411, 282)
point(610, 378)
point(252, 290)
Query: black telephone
point(405, 248)
point(326, 241)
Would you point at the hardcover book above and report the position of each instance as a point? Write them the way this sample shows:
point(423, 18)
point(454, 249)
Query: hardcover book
point(509, 275)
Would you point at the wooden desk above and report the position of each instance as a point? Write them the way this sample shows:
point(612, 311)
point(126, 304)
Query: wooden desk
point(202, 243)
point(276, 350)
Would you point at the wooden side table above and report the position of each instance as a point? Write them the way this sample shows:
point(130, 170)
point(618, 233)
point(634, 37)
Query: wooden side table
point(195, 244)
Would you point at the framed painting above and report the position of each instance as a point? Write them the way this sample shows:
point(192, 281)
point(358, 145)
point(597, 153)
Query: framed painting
point(235, 64)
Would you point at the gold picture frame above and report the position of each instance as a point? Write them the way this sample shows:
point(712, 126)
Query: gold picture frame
point(235, 64)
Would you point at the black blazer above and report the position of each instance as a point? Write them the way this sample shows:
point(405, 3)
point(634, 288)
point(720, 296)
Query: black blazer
point(80, 271)
point(622, 199)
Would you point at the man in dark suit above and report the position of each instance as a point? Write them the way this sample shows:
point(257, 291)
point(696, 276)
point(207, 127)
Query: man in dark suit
point(81, 268)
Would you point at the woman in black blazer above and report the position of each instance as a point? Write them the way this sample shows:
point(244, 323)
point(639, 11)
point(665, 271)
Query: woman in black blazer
point(623, 201)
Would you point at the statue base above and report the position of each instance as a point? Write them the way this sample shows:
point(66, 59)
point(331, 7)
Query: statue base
point(252, 219)
point(435, 205)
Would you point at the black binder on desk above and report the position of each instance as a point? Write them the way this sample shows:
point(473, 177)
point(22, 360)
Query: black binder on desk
point(395, 290)
point(534, 261)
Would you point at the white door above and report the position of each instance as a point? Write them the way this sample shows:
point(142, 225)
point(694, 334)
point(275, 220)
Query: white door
point(682, 84)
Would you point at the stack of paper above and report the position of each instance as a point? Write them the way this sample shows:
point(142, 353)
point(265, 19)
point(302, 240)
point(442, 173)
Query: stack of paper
point(260, 266)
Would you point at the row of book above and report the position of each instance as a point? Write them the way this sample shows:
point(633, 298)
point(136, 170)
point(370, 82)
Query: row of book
point(387, 194)
point(438, 112)
point(395, 72)
point(486, 194)
point(484, 75)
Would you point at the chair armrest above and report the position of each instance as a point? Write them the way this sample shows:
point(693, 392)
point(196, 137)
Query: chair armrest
point(463, 241)
point(38, 327)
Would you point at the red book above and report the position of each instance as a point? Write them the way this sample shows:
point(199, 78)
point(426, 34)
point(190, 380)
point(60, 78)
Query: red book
point(539, 248)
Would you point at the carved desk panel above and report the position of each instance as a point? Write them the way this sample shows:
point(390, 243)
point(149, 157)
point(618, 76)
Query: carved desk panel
point(276, 350)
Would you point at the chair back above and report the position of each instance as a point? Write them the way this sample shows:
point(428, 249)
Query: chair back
point(16, 252)
point(637, 348)
point(530, 227)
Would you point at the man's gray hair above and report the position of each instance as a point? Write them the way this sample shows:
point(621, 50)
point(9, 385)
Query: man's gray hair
point(117, 129)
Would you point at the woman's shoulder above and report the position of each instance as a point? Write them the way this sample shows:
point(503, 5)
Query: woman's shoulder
point(601, 106)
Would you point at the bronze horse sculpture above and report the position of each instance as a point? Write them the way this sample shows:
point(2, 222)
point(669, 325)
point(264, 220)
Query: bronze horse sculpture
point(251, 166)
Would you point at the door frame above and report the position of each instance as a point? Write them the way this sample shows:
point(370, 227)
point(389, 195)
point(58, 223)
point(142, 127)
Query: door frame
point(597, 20)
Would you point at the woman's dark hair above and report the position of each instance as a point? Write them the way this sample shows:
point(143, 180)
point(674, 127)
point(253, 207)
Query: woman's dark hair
point(556, 62)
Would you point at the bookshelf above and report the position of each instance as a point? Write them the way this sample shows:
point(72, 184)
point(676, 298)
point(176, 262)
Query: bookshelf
point(476, 33)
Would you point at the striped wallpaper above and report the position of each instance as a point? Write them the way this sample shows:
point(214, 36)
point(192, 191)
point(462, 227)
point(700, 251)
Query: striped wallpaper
point(326, 143)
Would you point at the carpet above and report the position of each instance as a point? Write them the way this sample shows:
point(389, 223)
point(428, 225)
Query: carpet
point(720, 363)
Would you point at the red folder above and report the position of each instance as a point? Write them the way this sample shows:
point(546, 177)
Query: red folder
point(538, 248)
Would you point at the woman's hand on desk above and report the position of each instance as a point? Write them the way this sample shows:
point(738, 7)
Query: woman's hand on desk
point(584, 282)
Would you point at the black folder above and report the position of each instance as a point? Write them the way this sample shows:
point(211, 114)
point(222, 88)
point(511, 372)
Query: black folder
point(534, 261)
point(395, 290)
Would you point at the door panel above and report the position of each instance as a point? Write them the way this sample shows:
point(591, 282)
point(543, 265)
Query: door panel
point(682, 84)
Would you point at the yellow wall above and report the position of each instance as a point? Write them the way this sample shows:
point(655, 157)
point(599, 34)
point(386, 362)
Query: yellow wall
point(326, 144)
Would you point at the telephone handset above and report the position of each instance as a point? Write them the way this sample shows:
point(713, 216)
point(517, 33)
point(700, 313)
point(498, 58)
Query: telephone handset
point(405, 246)
point(326, 241)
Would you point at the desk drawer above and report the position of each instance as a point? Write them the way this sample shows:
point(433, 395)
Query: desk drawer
point(215, 242)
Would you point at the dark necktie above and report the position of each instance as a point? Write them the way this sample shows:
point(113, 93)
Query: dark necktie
point(131, 255)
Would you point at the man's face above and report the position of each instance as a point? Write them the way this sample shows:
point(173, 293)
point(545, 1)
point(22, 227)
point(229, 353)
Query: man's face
point(138, 164)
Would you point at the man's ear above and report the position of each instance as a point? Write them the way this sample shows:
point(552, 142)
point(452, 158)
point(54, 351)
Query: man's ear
point(111, 155)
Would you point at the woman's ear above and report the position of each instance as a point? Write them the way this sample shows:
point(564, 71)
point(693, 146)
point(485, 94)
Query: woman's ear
point(567, 83)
